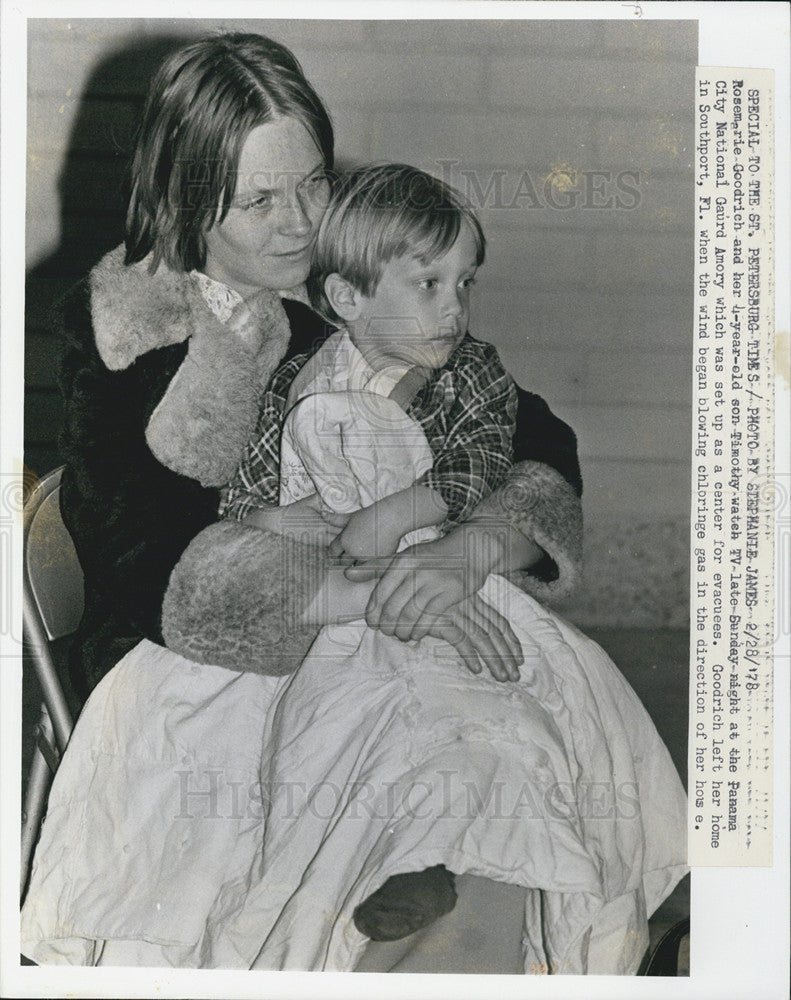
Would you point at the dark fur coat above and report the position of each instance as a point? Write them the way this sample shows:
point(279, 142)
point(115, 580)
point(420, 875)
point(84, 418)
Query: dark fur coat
point(160, 401)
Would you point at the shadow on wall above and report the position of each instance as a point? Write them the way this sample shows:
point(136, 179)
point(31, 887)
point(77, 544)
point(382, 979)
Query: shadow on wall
point(93, 191)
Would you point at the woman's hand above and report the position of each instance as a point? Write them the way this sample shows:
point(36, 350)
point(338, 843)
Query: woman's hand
point(481, 636)
point(302, 521)
point(431, 589)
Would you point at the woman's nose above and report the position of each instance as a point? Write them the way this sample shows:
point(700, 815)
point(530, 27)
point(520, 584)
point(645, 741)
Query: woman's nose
point(294, 219)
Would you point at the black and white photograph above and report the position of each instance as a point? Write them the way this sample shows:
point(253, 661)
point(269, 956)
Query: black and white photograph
point(354, 487)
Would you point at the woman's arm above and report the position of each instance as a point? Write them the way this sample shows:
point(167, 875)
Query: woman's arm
point(536, 509)
point(129, 516)
point(530, 529)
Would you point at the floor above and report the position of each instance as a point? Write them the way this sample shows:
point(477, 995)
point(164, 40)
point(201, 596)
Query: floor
point(654, 661)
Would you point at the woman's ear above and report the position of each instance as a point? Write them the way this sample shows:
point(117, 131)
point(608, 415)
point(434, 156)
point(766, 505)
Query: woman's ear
point(344, 298)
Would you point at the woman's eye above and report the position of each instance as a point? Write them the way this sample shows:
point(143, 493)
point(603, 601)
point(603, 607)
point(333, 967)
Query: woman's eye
point(262, 203)
point(468, 283)
point(315, 186)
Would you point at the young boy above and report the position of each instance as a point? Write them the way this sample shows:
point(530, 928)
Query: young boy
point(401, 421)
point(394, 263)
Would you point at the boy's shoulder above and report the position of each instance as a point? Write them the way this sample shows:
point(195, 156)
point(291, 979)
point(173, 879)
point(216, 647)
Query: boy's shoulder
point(477, 354)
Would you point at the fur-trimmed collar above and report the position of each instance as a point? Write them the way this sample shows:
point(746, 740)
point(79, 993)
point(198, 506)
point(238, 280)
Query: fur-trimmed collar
point(208, 412)
point(135, 311)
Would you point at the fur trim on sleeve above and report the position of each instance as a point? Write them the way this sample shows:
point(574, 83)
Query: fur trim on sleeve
point(542, 505)
point(236, 596)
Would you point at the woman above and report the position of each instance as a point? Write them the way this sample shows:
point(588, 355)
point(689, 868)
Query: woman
point(170, 345)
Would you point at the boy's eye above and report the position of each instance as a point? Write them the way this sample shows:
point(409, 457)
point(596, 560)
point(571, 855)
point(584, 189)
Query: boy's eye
point(428, 284)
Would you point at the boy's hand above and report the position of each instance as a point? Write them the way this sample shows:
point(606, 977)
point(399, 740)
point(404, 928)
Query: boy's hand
point(375, 531)
point(301, 521)
point(367, 533)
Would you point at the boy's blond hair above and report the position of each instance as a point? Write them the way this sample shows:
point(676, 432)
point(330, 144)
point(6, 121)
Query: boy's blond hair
point(377, 213)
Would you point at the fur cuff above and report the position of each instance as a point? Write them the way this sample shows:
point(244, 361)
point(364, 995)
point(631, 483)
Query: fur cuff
point(236, 597)
point(542, 505)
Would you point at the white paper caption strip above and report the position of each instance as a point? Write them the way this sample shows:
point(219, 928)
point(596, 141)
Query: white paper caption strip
point(730, 762)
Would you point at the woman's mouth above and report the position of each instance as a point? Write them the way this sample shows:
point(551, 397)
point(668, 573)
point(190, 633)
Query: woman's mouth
point(292, 254)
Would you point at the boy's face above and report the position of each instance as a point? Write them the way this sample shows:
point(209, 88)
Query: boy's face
point(419, 312)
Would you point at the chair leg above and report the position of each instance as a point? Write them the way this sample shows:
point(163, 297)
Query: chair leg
point(39, 780)
point(663, 960)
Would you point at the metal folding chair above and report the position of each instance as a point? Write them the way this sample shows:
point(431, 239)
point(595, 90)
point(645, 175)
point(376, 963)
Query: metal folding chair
point(53, 604)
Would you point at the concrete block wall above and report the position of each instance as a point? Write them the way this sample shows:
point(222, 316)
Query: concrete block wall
point(574, 141)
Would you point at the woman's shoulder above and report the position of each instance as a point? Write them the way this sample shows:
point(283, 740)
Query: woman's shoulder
point(96, 334)
point(122, 312)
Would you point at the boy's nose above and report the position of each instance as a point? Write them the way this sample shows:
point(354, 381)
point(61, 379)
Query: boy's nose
point(454, 303)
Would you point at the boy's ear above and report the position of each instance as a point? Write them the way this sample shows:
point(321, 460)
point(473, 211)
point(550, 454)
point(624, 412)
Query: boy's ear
point(344, 298)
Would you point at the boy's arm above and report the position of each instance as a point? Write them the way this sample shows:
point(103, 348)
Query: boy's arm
point(478, 448)
point(256, 484)
point(377, 529)
point(474, 458)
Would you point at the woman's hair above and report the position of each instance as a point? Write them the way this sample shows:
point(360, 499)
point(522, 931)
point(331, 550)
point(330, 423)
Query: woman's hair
point(380, 212)
point(204, 101)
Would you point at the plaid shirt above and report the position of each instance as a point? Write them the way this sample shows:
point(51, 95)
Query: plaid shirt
point(467, 410)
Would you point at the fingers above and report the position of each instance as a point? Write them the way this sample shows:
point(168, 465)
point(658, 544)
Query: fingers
point(508, 650)
point(372, 569)
point(387, 602)
point(344, 559)
point(316, 534)
point(334, 518)
point(474, 629)
point(429, 615)
point(451, 633)
point(482, 626)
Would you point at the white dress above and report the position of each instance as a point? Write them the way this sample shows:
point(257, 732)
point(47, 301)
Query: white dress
point(244, 819)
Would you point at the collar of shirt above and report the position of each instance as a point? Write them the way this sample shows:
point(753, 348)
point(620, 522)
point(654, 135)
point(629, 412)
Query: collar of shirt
point(222, 299)
point(351, 366)
point(219, 297)
point(339, 366)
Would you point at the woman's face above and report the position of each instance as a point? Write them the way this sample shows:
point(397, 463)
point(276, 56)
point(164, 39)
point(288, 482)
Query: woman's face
point(266, 239)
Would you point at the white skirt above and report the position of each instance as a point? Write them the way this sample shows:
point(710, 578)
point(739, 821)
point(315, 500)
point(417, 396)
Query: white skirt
point(224, 820)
